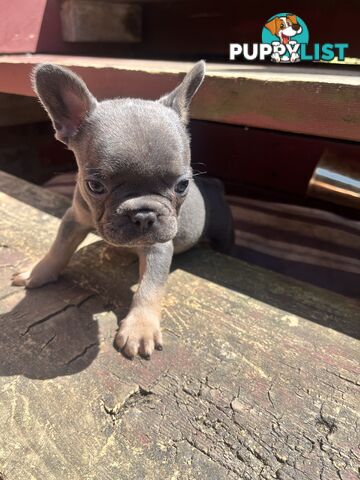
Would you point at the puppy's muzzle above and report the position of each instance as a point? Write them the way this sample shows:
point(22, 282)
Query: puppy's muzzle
point(139, 221)
point(143, 219)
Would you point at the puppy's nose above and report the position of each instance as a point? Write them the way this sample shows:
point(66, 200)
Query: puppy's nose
point(144, 219)
point(296, 27)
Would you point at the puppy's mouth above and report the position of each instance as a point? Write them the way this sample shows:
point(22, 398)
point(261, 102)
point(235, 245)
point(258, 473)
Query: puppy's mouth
point(127, 232)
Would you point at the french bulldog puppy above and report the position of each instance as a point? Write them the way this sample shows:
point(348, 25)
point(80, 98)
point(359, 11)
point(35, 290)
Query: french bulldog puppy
point(135, 188)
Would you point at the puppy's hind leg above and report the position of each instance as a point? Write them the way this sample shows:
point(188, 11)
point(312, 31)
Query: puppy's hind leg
point(70, 234)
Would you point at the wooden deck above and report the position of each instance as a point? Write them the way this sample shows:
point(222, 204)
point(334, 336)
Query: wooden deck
point(297, 100)
point(258, 378)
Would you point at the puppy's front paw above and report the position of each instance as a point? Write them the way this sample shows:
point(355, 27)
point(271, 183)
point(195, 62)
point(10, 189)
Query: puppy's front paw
point(37, 277)
point(139, 332)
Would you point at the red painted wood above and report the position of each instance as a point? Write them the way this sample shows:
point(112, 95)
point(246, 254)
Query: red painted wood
point(21, 23)
point(104, 81)
point(173, 29)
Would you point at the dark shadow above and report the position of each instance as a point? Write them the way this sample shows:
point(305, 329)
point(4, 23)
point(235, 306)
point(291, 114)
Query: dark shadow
point(53, 330)
point(339, 281)
point(50, 332)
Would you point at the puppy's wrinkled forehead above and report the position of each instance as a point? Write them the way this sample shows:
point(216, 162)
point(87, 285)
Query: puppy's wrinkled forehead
point(142, 136)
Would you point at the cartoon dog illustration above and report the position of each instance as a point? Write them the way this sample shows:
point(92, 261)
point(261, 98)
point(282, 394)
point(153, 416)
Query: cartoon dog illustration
point(285, 28)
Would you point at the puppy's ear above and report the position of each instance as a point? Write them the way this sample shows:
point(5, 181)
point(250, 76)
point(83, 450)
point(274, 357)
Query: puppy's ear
point(64, 96)
point(180, 98)
point(273, 25)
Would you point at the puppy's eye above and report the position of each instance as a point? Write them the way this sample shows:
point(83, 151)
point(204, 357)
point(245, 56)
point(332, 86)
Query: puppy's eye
point(95, 187)
point(282, 25)
point(181, 187)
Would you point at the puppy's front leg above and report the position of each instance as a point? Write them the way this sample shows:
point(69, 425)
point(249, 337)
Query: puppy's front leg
point(70, 234)
point(139, 332)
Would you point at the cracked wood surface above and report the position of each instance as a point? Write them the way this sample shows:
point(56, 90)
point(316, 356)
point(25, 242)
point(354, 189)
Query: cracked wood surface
point(258, 379)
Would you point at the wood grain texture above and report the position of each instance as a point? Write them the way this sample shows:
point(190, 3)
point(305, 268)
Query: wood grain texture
point(99, 21)
point(310, 101)
point(258, 378)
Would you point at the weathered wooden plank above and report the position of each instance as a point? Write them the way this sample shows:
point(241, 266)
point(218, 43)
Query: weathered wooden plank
point(100, 21)
point(21, 25)
point(311, 101)
point(258, 378)
point(39, 198)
